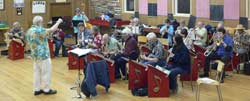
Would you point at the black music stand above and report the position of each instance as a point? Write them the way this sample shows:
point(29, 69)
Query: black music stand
point(79, 53)
point(76, 22)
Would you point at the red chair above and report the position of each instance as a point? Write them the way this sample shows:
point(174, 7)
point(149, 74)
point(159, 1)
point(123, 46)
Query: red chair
point(193, 76)
point(145, 50)
point(158, 83)
point(137, 75)
point(111, 67)
point(15, 51)
point(200, 55)
point(51, 48)
point(120, 23)
point(99, 22)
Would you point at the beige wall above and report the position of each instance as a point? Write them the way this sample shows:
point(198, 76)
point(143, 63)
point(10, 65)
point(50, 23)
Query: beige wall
point(9, 13)
point(160, 19)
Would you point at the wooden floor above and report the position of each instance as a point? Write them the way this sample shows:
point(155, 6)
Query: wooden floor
point(16, 82)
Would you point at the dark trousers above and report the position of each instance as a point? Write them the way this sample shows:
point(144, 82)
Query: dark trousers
point(76, 37)
point(120, 63)
point(214, 56)
point(175, 70)
point(58, 45)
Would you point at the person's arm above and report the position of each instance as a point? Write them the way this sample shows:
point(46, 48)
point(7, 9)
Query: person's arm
point(163, 29)
point(171, 30)
point(55, 26)
point(85, 18)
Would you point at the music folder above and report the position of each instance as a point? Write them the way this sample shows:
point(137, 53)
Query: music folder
point(76, 22)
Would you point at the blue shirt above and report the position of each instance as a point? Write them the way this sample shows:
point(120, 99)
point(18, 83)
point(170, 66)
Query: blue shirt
point(37, 38)
point(81, 17)
point(228, 51)
point(170, 31)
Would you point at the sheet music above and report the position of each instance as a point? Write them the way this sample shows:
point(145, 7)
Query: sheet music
point(80, 52)
point(163, 70)
point(207, 80)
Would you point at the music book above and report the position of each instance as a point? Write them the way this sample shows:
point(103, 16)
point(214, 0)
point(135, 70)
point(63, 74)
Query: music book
point(163, 70)
point(80, 52)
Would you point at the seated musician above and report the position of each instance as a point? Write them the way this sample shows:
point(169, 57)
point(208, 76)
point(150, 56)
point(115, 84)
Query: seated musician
point(17, 33)
point(58, 39)
point(104, 16)
point(168, 30)
point(221, 49)
point(157, 55)
point(130, 51)
point(182, 26)
point(200, 35)
point(240, 47)
point(186, 39)
point(180, 59)
point(83, 36)
point(97, 42)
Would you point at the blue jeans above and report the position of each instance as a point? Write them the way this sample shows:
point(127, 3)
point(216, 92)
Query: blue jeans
point(159, 63)
point(58, 45)
point(173, 75)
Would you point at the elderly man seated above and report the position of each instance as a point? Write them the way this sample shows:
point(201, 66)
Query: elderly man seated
point(201, 35)
point(16, 33)
point(157, 55)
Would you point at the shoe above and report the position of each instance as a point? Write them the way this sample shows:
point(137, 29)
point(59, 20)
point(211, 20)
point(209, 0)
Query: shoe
point(50, 92)
point(204, 75)
point(38, 92)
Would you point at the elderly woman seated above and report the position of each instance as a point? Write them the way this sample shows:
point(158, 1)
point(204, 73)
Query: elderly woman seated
point(157, 54)
point(180, 58)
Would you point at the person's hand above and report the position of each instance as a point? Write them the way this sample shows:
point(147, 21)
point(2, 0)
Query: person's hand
point(59, 20)
point(171, 55)
point(143, 57)
point(105, 53)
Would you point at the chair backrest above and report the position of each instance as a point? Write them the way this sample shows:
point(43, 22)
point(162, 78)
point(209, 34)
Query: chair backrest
point(145, 50)
point(220, 69)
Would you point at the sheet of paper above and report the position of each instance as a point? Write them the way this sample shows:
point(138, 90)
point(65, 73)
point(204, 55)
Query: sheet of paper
point(80, 52)
point(167, 72)
point(38, 7)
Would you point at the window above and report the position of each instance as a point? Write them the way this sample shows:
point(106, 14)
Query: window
point(129, 6)
point(182, 7)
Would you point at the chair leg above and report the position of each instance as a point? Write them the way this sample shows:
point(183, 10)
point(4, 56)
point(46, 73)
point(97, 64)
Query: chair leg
point(192, 85)
point(182, 84)
point(219, 93)
point(221, 99)
point(198, 93)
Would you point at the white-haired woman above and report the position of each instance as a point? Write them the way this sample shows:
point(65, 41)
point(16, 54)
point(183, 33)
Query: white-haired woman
point(37, 37)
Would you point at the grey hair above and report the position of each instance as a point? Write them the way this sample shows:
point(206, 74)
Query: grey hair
point(37, 19)
point(151, 35)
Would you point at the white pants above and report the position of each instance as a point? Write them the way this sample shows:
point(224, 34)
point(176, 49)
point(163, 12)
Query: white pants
point(42, 75)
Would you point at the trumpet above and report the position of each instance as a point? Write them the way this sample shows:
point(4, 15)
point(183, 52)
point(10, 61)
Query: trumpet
point(212, 47)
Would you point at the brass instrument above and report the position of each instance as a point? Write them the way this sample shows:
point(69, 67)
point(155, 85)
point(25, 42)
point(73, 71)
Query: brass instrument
point(212, 47)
